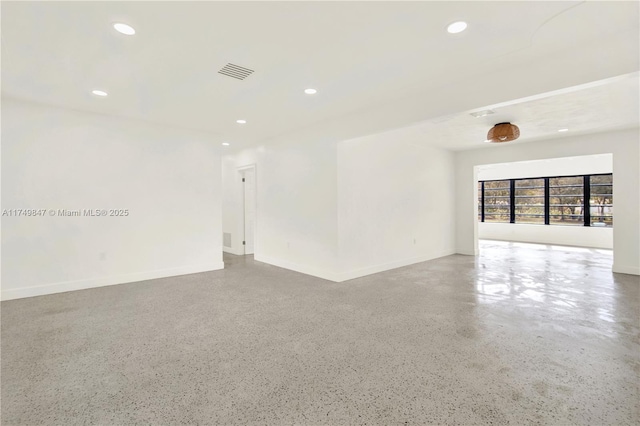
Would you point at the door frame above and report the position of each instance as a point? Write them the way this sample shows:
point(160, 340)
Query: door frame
point(241, 225)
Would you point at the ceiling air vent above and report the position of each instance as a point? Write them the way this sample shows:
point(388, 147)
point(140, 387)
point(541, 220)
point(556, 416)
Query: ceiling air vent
point(235, 71)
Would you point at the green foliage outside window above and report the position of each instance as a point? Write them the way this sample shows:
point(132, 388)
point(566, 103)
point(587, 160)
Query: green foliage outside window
point(548, 200)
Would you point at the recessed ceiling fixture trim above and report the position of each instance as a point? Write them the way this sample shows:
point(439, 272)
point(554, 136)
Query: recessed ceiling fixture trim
point(225, 143)
point(484, 113)
point(310, 91)
point(503, 132)
point(235, 71)
point(99, 93)
point(124, 28)
point(457, 27)
point(241, 121)
point(563, 130)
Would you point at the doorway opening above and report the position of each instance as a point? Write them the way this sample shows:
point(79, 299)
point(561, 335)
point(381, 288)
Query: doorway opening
point(248, 212)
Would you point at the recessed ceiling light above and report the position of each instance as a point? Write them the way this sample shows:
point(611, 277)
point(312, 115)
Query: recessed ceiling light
point(457, 27)
point(310, 91)
point(225, 143)
point(563, 130)
point(124, 28)
point(484, 113)
point(99, 92)
point(241, 121)
point(487, 140)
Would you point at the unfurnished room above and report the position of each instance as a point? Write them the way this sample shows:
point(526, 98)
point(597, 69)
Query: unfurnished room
point(320, 213)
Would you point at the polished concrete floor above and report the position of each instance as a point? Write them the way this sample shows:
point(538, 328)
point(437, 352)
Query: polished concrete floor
point(522, 334)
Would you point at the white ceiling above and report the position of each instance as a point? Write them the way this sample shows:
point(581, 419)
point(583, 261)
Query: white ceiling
point(606, 105)
point(376, 65)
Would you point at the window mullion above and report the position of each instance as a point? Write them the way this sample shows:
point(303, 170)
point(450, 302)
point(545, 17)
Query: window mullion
point(512, 200)
point(587, 200)
point(547, 201)
point(482, 197)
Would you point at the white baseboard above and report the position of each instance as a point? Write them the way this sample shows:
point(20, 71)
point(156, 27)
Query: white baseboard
point(230, 250)
point(622, 269)
point(60, 287)
point(465, 252)
point(368, 270)
point(349, 275)
point(327, 275)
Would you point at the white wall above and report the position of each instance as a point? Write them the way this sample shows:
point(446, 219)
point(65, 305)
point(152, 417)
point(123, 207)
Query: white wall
point(168, 179)
point(580, 236)
point(565, 166)
point(556, 234)
point(626, 183)
point(396, 202)
point(340, 211)
point(296, 222)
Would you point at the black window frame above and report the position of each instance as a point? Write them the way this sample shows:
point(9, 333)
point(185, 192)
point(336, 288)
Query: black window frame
point(586, 191)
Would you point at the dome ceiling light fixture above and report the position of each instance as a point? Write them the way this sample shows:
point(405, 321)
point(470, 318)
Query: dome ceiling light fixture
point(503, 132)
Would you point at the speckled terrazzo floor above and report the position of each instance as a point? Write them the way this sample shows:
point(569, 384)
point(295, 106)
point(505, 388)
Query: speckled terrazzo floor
point(522, 334)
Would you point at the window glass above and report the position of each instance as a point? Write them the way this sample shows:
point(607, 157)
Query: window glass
point(496, 201)
point(529, 201)
point(601, 200)
point(566, 201)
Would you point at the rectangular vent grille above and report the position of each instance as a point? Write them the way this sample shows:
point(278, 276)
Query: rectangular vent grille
point(235, 71)
point(226, 239)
